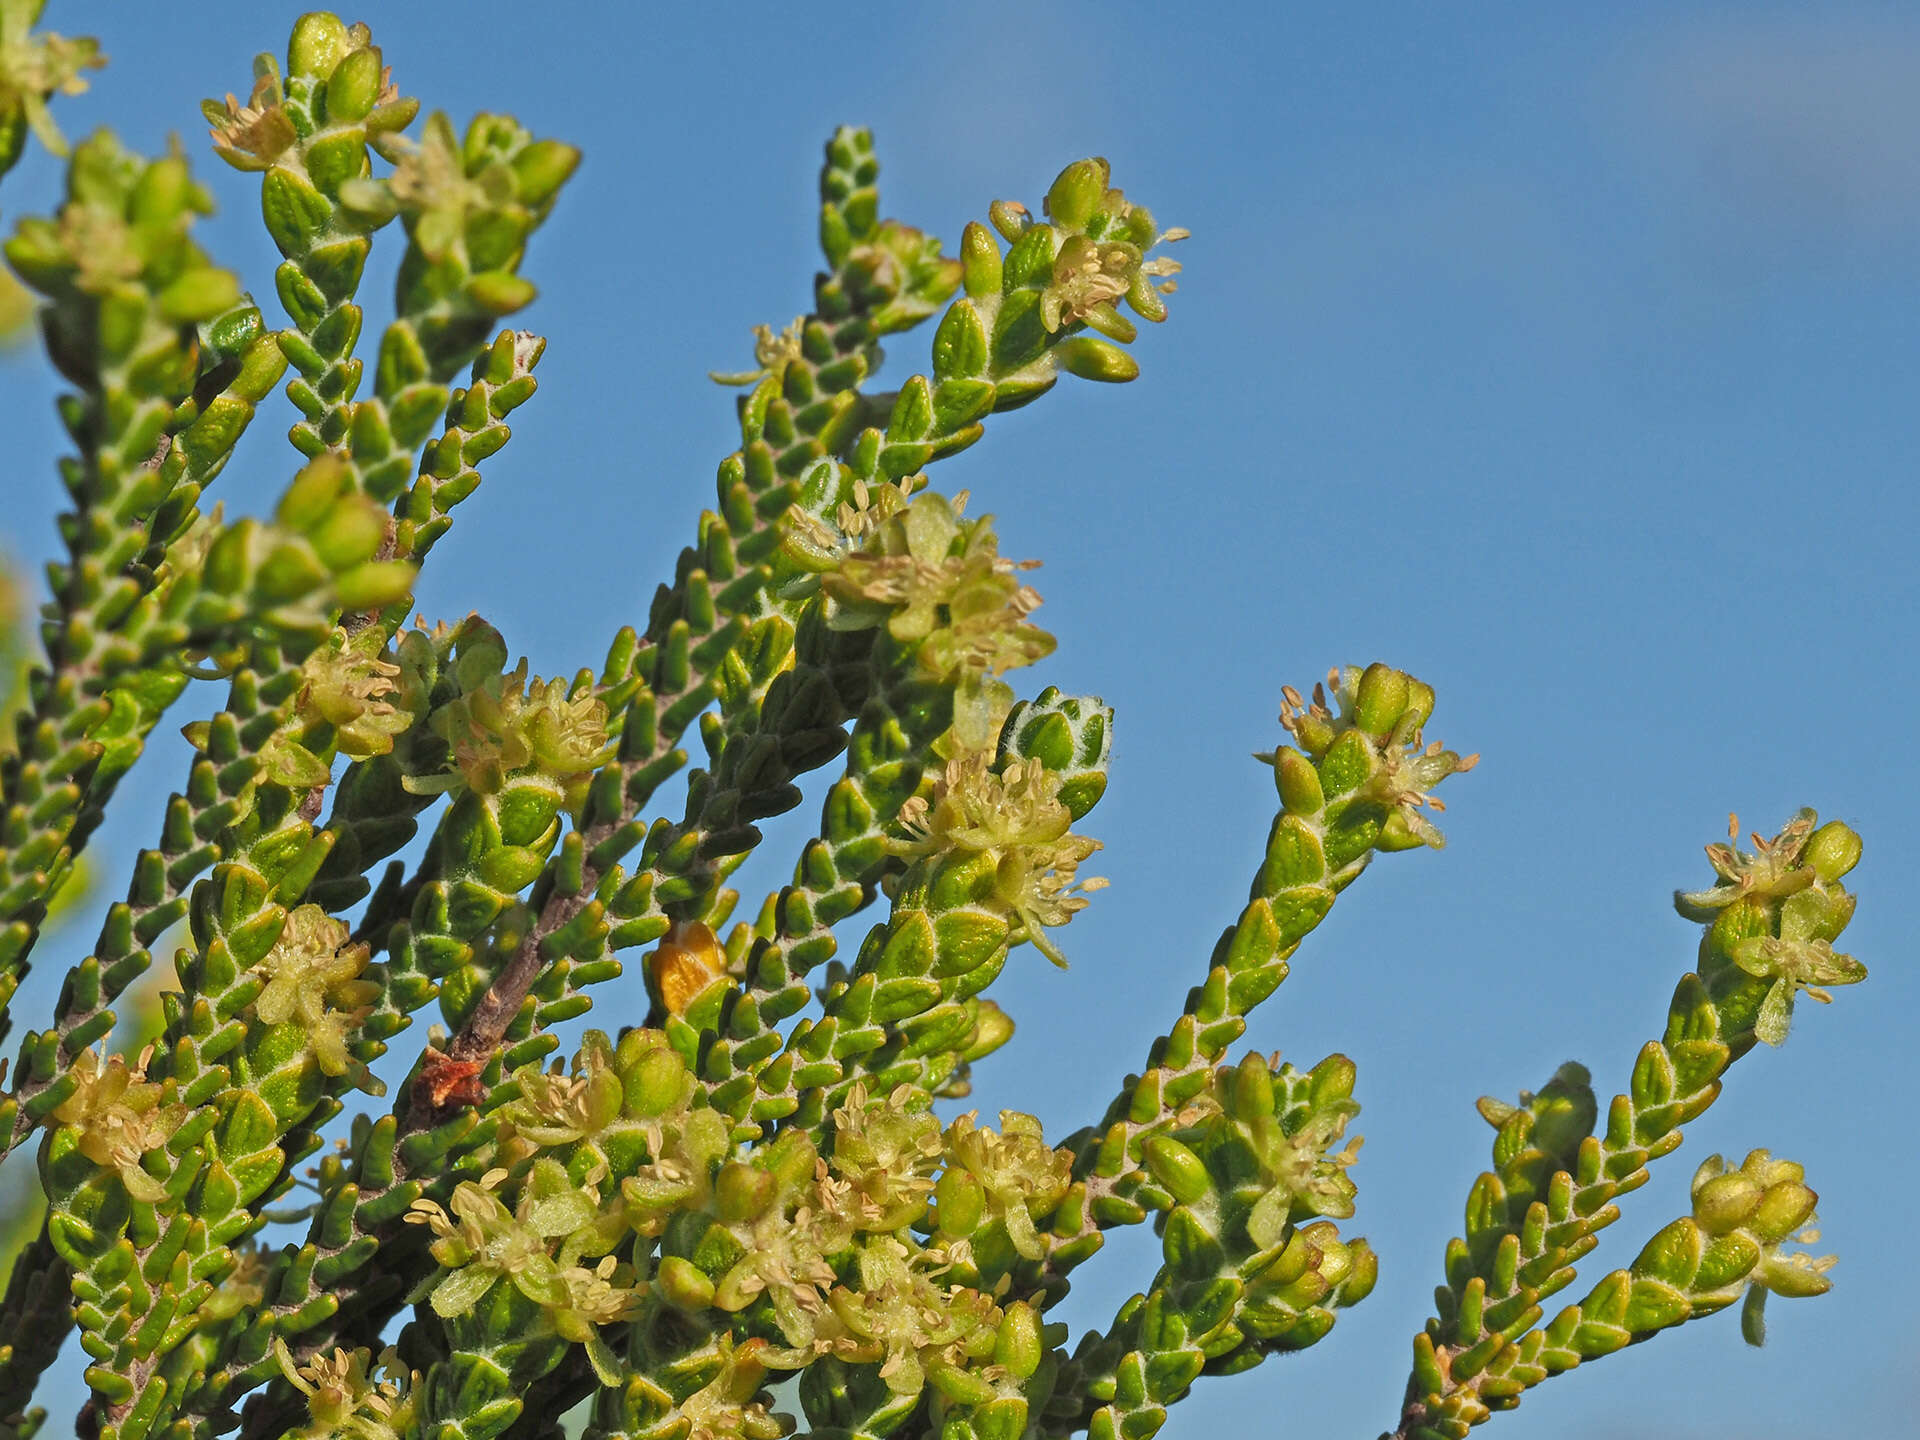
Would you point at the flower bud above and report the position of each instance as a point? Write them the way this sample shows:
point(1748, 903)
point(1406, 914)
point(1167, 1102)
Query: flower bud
point(742, 1192)
point(1833, 850)
point(1077, 193)
point(1092, 358)
point(1783, 1209)
point(980, 257)
point(684, 1283)
point(962, 1203)
point(1725, 1202)
point(319, 41)
point(993, 1029)
point(655, 1084)
point(1382, 699)
point(354, 85)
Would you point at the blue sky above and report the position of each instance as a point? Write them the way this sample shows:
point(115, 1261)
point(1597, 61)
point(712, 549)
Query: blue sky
point(1561, 354)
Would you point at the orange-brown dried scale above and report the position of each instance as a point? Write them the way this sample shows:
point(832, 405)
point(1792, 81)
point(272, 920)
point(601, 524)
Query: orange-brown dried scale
point(687, 960)
point(450, 1083)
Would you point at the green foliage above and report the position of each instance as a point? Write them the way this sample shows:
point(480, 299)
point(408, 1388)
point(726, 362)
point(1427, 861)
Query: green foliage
point(753, 1184)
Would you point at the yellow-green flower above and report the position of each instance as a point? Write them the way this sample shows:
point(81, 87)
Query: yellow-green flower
point(349, 683)
point(772, 354)
point(313, 980)
point(481, 1242)
point(729, 1407)
point(1102, 255)
point(104, 248)
point(595, 1295)
point(904, 1318)
point(1769, 1203)
point(1014, 814)
point(506, 727)
point(685, 1146)
point(885, 1153)
point(1019, 1174)
point(121, 1118)
point(1772, 870)
point(34, 68)
point(349, 1396)
point(431, 185)
point(557, 1108)
point(790, 1218)
point(1405, 771)
point(254, 135)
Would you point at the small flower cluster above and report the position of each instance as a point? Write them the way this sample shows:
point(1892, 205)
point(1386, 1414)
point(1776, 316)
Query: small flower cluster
point(865, 1253)
point(261, 133)
point(772, 354)
point(1012, 812)
point(1795, 877)
point(1804, 854)
point(885, 1155)
point(349, 684)
point(482, 1243)
point(123, 234)
point(901, 1315)
point(1387, 709)
point(314, 980)
point(253, 135)
point(1745, 1217)
point(506, 728)
point(1003, 1178)
point(432, 189)
point(563, 1105)
point(1280, 1157)
point(939, 585)
point(33, 68)
point(1102, 257)
point(350, 1396)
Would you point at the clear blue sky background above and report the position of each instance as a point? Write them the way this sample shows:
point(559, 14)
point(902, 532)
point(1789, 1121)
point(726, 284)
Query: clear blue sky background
point(1562, 354)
